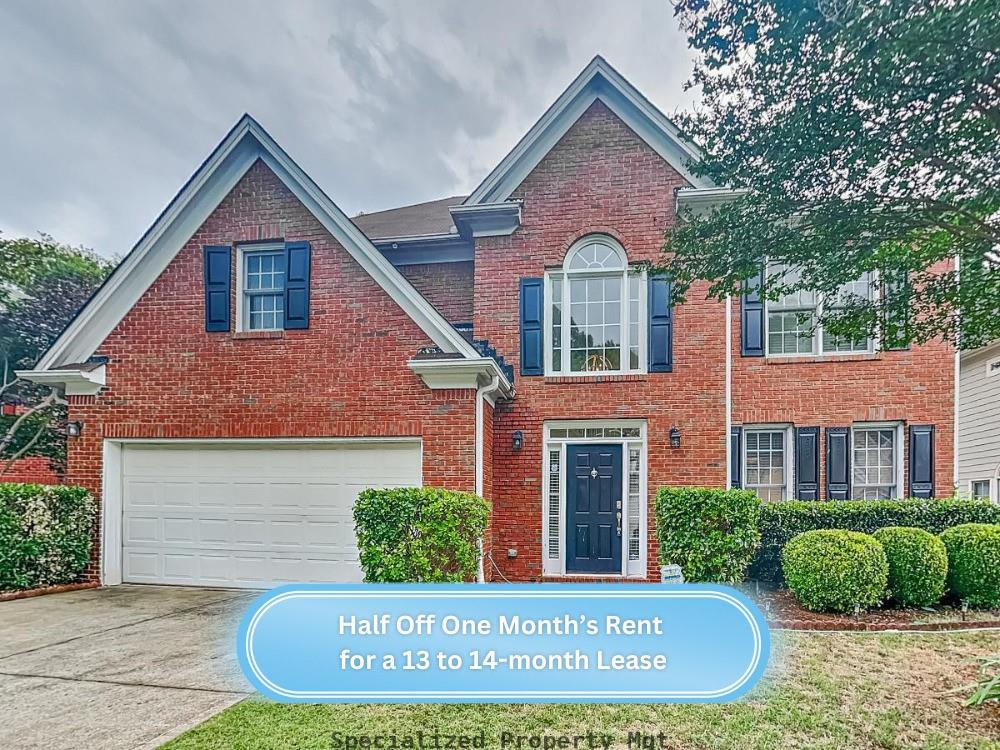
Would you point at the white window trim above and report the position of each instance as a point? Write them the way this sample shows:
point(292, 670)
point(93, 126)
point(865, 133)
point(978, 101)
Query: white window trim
point(630, 569)
point(874, 342)
point(991, 488)
point(789, 458)
point(562, 276)
point(898, 448)
point(242, 312)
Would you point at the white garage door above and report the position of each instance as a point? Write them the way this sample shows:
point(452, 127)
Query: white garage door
point(251, 516)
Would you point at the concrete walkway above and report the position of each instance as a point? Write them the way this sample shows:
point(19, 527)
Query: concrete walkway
point(123, 667)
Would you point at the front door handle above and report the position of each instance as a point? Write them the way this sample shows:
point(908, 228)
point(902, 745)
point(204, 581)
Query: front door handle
point(618, 515)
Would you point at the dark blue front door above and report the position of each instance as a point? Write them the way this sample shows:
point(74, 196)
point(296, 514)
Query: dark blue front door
point(594, 508)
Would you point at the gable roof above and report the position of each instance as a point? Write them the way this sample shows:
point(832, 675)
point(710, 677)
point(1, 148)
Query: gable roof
point(215, 178)
point(420, 219)
point(597, 81)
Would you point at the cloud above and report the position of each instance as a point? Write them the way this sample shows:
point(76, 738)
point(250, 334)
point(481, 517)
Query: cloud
point(109, 107)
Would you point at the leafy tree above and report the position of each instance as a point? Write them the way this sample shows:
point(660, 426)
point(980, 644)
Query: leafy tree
point(42, 285)
point(862, 136)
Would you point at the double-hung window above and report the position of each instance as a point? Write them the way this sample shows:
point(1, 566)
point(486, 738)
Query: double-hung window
point(980, 489)
point(598, 312)
point(793, 326)
point(875, 463)
point(765, 462)
point(262, 288)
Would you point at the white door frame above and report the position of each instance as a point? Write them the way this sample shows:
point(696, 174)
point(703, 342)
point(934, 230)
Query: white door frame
point(557, 568)
point(112, 491)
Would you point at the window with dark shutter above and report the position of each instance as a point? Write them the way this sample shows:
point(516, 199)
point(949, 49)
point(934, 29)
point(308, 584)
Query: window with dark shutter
point(660, 325)
point(218, 286)
point(838, 463)
point(752, 317)
point(298, 262)
point(922, 460)
point(532, 340)
point(807, 463)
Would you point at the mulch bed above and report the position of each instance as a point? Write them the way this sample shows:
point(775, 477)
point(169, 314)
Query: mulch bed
point(6, 596)
point(782, 611)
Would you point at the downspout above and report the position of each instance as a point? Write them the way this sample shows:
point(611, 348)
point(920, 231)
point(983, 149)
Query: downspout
point(480, 481)
point(729, 391)
point(958, 391)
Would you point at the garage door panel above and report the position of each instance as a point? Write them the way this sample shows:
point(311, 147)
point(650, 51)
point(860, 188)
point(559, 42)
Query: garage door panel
point(251, 516)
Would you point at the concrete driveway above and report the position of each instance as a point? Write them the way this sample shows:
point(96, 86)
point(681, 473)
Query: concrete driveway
point(123, 667)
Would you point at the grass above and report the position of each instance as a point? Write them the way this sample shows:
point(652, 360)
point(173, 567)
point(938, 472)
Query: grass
point(835, 691)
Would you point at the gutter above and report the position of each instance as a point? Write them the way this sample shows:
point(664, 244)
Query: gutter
point(480, 479)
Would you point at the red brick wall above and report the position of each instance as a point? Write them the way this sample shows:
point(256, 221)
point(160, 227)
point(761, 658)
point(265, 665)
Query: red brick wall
point(31, 469)
point(447, 286)
point(601, 177)
point(344, 376)
point(916, 386)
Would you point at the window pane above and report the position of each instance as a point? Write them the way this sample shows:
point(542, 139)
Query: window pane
point(764, 463)
point(633, 503)
point(790, 333)
point(555, 287)
point(596, 256)
point(554, 504)
point(874, 458)
point(595, 324)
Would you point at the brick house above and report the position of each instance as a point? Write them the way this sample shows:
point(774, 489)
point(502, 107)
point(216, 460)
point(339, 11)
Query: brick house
point(259, 357)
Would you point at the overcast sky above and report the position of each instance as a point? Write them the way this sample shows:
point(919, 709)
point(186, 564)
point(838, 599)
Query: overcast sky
point(106, 108)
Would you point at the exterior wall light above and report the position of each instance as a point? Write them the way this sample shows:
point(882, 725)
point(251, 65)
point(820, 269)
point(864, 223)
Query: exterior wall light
point(73, 429)
point(517, 440)
point(675, 437)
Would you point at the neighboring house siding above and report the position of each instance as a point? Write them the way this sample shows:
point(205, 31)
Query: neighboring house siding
point(31, 469)
point(979, 419)
point(447, 286)
point(344, 376)
point(601, 177)
point(915, 386)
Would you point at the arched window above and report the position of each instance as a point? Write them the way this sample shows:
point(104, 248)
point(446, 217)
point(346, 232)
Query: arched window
point(598, 309)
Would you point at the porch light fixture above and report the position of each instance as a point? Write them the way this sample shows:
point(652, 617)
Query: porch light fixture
point(73, 429)
point(675, 437)
point(517, 440)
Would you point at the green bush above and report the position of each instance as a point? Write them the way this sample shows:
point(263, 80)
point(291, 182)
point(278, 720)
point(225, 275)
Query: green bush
point(712, 534)
point(918, 564)
point(779, 522)
point(832, 570)
point(45, 534)
point(974, 563)
point(414, 534)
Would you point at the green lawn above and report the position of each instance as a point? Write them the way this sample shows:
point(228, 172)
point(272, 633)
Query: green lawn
point(837, 691)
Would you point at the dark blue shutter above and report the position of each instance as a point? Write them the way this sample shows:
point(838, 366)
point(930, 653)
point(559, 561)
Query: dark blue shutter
point(838, 463)
point(807, 463)
point(532, 317)
point(896, 315)
point(922, 460)
point(661, 325)
point(735, 457)
point(752, 317)
point(297, 266)
point(218, 286)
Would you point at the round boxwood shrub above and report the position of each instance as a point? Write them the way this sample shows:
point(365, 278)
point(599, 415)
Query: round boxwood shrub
point(419, 534)
point(918, 564)
point(974, 563)
point(712, 534)
point(833, 570)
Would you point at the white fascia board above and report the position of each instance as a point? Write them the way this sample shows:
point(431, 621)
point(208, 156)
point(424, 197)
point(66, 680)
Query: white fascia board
point(597, 81)
point(71, 382)
point(438, 374)
point(699, 201)
point(216, 177)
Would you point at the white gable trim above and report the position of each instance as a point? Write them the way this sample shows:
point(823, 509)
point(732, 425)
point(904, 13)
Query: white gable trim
point(597, 81)
point(216, 177)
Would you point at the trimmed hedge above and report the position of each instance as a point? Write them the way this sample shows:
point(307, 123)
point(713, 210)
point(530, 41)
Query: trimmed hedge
point(974, 563)
point(419, 534)
point(918, 565)
point(779, 522)
point(712, 534)
point(45, 534)
point(833, 570)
